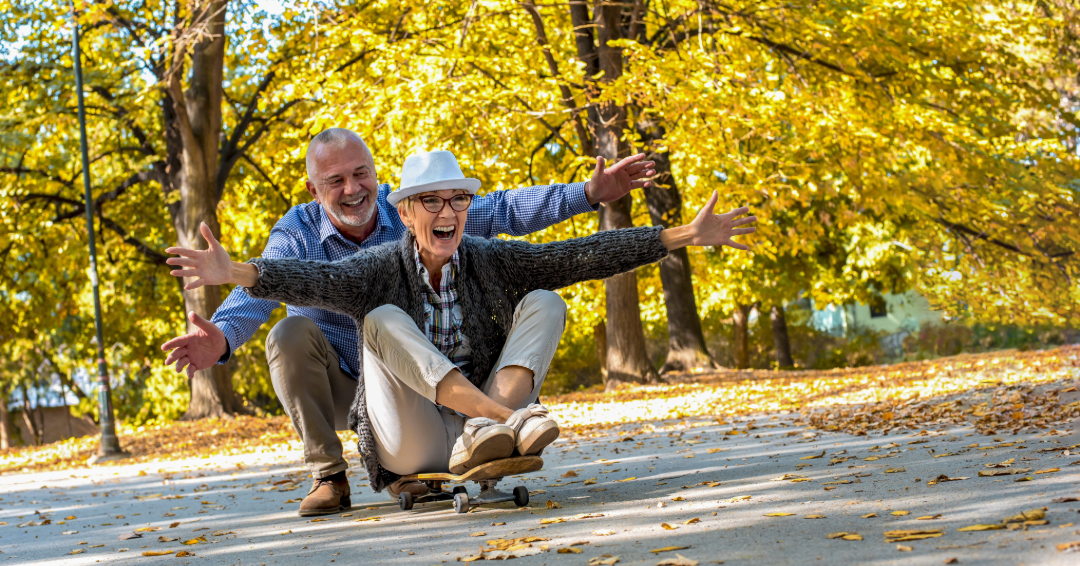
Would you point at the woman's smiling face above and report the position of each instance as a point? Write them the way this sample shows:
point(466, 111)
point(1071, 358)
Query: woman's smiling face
point(437, 233)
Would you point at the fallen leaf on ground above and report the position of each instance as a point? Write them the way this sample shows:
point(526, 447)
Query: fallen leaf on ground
point(603, 532)
point(164, 538)
point(813, 457)
point(552, 505)
point(78, 551)
point(678, 498)
point(668, 527)
point(569, 474)
point(679, 560)
point(814, 517)
point(1006, 472)
point(903, 548)
point(128, 536)
point(1006, 464)
point(147, 529)
point(479, 534)
point(691, 521)
point(1048, 471)
point(195, 540)
point(569, 550)
point(183, 553)
point(158, 552)
point(944, 478)
point(913, 534)
point(1029, 515)
point(669, 548)
point(624, 479)
point(953, 560)
point(993, 527)
point(174, 525)
point(587, 516)
point(1069, 546)
point(900, 513)
point(869, 515)
point(553, 520)
point(1064, 499)
point(779, 514)
point(738, 498)
point(895, 470)
point(603, 560)
point(928, 517)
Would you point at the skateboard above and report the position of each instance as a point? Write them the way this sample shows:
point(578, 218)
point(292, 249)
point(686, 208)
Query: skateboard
point(487, 475)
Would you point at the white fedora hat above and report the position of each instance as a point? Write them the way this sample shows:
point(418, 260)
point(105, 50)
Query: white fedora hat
point(432, 171)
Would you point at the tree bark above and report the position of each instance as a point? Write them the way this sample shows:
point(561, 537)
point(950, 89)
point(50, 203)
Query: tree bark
point(781, 341)
point(741, 341)
point(600, 337)
point(193, 118)
point(28, 418)
point(5, 422)
point(686, 340)
point(627, 359)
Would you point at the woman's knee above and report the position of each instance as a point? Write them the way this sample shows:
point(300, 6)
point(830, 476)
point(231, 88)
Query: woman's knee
point(545, 303)
point(382, 318)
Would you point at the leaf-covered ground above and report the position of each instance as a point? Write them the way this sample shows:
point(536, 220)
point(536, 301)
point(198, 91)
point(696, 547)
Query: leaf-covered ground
point(998, 393)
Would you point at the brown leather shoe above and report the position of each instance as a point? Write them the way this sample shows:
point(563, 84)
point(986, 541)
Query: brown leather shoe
point(327, 495)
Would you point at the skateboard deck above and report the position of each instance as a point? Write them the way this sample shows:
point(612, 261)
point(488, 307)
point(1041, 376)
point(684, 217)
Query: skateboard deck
point(487, 475)
point(494, 469)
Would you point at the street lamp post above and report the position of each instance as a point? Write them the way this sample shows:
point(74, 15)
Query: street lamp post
point(110, 445)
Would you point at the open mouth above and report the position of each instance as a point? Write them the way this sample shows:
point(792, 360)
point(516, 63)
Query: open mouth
point(444, 232)
point(354, 205)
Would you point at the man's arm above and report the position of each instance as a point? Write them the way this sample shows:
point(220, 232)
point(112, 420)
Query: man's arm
point(524, 211)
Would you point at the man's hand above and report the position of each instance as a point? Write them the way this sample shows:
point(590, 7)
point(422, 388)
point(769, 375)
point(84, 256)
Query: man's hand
point(612, 183)
point(198, 350)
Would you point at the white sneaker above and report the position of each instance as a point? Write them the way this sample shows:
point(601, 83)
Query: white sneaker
point(482, 441)
point(533, 429)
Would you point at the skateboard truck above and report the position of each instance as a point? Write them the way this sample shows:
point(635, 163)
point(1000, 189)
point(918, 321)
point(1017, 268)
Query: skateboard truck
point(486, 475)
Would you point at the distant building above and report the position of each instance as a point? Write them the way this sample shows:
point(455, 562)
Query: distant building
point(897, 316)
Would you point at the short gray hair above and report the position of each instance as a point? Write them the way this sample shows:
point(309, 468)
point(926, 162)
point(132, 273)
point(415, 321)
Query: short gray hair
point(333, 137)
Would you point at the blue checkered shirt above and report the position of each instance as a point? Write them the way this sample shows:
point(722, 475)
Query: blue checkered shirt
point(306, 232)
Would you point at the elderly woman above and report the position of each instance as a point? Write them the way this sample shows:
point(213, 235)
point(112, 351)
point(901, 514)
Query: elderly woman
point(457, 333)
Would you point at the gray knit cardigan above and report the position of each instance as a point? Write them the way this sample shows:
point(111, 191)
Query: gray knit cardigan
point(494, 275)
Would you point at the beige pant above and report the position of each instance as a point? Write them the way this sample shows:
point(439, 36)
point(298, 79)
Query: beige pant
point(401, 370)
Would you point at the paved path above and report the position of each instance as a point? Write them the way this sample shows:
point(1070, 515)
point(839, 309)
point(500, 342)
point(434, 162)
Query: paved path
point(714, 489)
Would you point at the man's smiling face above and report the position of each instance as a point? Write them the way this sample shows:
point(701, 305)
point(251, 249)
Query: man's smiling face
point(342, 179)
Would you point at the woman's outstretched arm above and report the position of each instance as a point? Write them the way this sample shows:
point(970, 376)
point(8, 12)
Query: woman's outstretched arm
point(336, 286)
point(559, 264)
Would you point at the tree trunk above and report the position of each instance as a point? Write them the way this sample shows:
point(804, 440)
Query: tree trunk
point(686, 340)
point(627, 359)
point(5, 422)
point(193, 119)
point(600, 337)
point(741, 342)
point(781, 341)
point(28, 418)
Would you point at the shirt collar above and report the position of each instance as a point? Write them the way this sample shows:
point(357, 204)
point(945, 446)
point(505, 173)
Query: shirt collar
point(327, 228)
point(448, 274)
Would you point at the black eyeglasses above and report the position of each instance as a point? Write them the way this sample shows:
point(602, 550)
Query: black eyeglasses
point(435, 204)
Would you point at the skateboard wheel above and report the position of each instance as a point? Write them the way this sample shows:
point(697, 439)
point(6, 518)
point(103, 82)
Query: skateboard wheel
point(460, 489)
point(405, 501)
point(521, 496)
point(461, 502)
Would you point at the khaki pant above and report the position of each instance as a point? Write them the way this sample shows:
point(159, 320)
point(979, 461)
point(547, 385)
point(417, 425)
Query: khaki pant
point(401, 370)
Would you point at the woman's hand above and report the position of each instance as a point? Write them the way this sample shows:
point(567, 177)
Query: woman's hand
point(212, 266)
point(710, 229)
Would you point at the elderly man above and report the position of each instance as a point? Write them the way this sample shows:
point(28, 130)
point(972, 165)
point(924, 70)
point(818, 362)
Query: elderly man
point(313, 353)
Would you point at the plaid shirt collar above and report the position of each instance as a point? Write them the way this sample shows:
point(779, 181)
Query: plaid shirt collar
point(441, 328)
